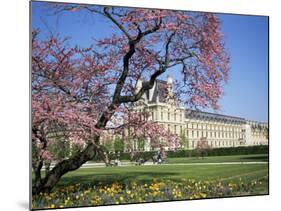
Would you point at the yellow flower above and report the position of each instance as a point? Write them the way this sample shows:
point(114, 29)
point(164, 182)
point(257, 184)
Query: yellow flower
point(96, 200)
point(86, 192)
point(231, 185)
point(203, 195)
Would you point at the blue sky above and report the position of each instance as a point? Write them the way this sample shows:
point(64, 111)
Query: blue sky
point(246, 93)
point(246, 39)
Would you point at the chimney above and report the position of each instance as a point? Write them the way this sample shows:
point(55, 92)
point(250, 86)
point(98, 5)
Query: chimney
point(169, 80)
point(170, 83)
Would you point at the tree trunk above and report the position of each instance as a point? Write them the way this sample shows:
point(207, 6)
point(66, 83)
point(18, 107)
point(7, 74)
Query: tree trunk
point(93, 148)
point(65, 166)
point(37, 166)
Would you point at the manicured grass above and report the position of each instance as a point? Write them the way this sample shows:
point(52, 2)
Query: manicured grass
point(126, 174)
point(225, 172)
point(133, 184)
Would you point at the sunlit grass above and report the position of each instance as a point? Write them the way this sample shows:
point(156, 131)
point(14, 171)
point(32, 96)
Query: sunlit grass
point(136, 184)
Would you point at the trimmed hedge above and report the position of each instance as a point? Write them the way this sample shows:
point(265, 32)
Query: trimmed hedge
point(221, 151)
point(193, 153)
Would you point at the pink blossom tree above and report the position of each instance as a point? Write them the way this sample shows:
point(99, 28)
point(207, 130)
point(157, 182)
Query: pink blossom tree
point(202, 147)
point(80, 92)
point(138, 125)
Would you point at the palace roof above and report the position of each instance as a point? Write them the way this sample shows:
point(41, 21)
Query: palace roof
point(159, 91)
point(196, 114)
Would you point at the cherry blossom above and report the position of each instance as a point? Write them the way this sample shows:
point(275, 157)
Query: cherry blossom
point(82, 93)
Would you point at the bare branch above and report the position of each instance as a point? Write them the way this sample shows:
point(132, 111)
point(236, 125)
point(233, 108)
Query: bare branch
point(108, 15)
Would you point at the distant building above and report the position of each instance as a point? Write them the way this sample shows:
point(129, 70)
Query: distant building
point(217, 129)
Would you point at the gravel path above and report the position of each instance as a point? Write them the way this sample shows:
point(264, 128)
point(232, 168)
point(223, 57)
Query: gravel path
point(99, 165)
point(126, 164)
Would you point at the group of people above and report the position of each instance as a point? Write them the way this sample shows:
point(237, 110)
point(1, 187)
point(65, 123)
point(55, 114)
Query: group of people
point(111, 162)
point(158, 158)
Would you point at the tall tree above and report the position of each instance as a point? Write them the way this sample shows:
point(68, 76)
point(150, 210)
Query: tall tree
point(83, 91)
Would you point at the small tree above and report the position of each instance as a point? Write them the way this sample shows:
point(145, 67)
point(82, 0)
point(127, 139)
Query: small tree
point(202, 147)
point(184, 140)
point(108, 144)
point(118, 145)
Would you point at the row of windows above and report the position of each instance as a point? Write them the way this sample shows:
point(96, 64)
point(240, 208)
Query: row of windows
point(195, 125)
point(259, 143)
point(169, 116)
point(175, 128)
point(211, 134)
point(218, 143)
point(258, 134)
point(213, 127)
point(235, 132)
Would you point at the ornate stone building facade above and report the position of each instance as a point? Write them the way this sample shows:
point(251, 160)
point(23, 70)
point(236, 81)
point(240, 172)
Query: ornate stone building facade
point(217, 129)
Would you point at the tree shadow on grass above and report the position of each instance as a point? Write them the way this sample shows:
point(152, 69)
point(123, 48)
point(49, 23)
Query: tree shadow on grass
point(263, 158)
point(107, 179)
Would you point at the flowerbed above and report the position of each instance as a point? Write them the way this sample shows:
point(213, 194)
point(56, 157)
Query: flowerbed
point(134, 192)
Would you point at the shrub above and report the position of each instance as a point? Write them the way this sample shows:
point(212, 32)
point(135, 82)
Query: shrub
point(221, 151)
point(186, 153)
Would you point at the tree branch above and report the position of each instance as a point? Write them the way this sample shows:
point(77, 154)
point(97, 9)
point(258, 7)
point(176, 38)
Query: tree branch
point(153, 77)
point(108, 15)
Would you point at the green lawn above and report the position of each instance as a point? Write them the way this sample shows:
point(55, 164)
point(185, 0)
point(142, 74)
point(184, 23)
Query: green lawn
point(125, 174)
point(133, 184)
